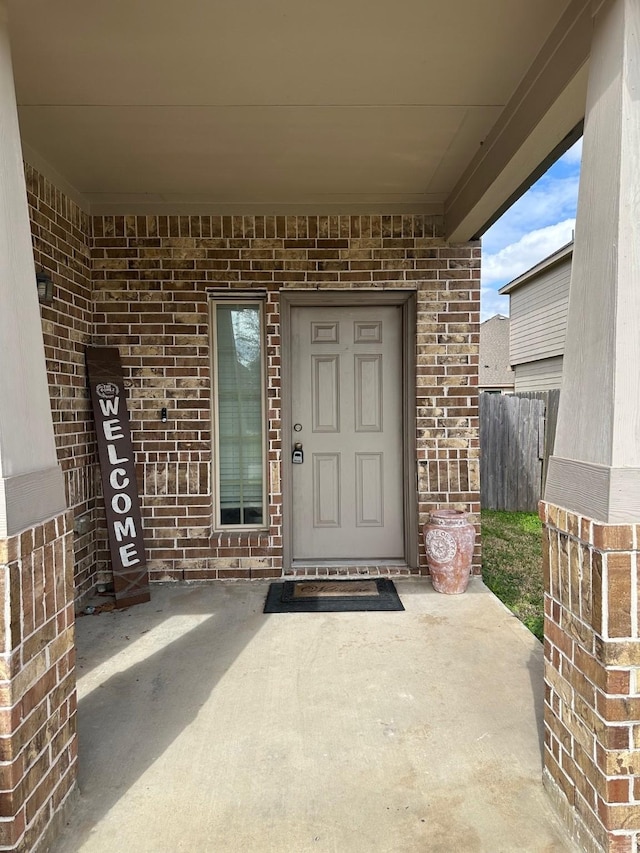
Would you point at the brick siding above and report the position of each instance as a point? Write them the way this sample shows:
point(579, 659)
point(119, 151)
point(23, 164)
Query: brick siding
point(140, 283)
point(60, 234)
point(38, 746)
point(151, 276)
point(592, 675)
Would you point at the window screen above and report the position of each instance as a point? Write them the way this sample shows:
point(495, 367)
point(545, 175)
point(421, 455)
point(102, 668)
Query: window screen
point(239, 384)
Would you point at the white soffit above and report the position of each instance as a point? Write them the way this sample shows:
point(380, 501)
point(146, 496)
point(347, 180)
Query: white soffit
point(268, 106)
point(252, 155)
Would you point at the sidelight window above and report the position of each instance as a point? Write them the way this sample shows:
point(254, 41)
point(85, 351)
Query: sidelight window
point(238, 377)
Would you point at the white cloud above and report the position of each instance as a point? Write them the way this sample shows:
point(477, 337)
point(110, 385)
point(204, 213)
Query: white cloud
point(573, 156)
point(538, 224)
point(493, 304)
point(550, 200)
point(516, 258)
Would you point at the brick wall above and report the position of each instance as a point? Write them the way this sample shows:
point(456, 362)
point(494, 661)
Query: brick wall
point(139, 283)
point(150, 278)
point(592, 674)
point(38, 745)
point(61, 234)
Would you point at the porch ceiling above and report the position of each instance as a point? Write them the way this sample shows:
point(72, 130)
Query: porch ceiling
point(249, 106)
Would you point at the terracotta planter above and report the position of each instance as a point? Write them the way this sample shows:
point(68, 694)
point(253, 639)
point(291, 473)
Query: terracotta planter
point(449, 538)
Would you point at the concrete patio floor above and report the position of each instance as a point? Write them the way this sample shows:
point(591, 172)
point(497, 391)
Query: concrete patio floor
point(208, 727)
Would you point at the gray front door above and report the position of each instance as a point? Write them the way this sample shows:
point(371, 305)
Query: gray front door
point(347, 406)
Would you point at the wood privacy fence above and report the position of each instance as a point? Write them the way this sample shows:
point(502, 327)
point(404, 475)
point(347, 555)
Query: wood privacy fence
point(517, 432)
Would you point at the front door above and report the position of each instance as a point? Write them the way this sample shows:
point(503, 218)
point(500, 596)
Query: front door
point(347, 416)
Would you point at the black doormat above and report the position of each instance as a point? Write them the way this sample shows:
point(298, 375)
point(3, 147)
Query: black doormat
point(332, 596)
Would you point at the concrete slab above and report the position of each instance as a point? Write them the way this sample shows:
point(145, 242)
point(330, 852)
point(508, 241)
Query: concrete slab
point(208, 726)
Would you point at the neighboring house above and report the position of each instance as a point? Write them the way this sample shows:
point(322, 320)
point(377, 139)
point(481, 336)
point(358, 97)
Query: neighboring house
point(538, 304)
point(495, 374)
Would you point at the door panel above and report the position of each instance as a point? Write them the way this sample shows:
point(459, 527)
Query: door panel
point(347, 398)
point(368, 393)
point(326, 489)
point(369, 490)
point(325, 393)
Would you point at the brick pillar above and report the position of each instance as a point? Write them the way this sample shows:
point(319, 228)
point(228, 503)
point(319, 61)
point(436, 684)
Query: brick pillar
point(37, 680)
point(592, 753)
point(592, 675)
point(38, 745)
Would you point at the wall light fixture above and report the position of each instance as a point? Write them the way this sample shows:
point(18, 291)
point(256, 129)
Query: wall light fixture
point(45, 287)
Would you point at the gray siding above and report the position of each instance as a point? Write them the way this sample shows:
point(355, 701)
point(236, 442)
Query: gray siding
point(539, 316)
point(539, 375)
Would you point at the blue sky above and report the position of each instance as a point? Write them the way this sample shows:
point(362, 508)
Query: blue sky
point(540, 222)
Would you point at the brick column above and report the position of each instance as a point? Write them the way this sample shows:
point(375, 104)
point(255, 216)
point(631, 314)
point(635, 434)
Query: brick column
point(37, 680)
point(592, 673)
point(592, 509)
point(38, 744)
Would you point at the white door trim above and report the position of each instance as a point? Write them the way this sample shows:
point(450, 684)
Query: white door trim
point(407, 301)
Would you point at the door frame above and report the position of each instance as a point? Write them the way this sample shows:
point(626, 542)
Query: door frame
point(406, 300)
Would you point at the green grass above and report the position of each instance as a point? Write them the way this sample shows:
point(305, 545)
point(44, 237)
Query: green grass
point(512, 564)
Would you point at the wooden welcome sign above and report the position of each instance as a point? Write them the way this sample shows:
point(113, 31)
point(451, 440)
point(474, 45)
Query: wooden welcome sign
point(115, 452)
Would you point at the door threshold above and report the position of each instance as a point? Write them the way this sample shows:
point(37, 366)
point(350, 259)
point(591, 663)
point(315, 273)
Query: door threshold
point(304, 564)
point(348, 568)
